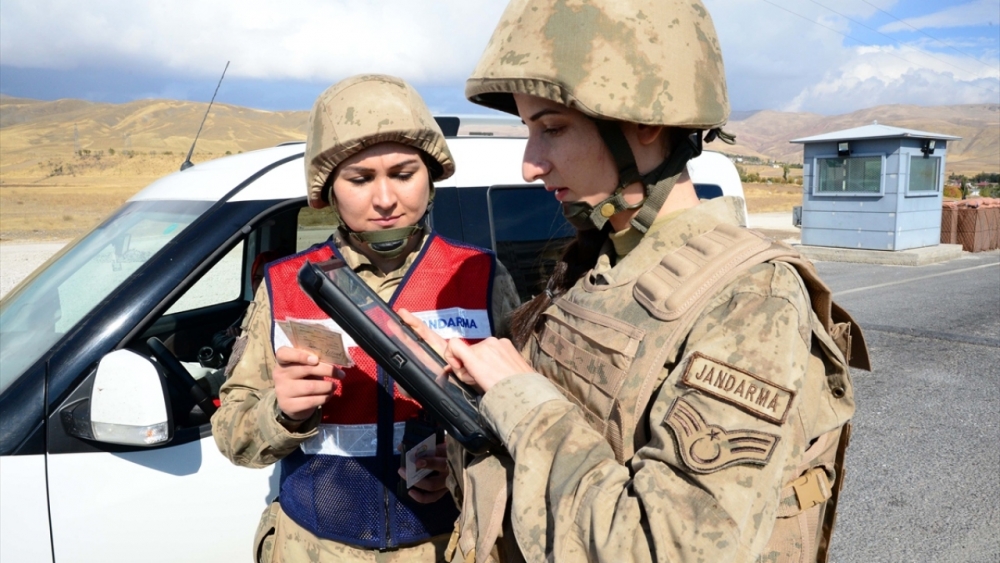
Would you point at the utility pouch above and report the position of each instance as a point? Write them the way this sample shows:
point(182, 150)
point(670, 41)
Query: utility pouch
point(263, 540)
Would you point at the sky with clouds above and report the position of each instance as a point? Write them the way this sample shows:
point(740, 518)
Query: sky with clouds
point(822, 56)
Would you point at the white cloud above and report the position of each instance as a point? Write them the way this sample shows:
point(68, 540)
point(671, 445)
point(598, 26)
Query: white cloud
point(778, 53)
point(299, 39)
point(977, 13)
point(793, 60)
point(887, 75)
point(909, 72)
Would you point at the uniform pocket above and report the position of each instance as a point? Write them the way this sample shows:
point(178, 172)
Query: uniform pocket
point(593, 353)
point(263, 541)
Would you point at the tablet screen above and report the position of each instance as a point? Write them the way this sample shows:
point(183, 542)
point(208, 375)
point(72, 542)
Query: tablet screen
point(414, 365)
point(384, 318)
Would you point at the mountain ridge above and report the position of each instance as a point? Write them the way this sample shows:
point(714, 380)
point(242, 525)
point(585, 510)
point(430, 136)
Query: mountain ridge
point(769, 132)
point(34, 129)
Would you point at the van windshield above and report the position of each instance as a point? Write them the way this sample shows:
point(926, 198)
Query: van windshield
point(49, 303)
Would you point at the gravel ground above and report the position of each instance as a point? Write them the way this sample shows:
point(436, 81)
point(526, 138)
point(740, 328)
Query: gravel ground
point(18, 259)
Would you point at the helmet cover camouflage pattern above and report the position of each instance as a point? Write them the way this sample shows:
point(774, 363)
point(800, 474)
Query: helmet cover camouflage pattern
point(656, 62)
point(362, 111)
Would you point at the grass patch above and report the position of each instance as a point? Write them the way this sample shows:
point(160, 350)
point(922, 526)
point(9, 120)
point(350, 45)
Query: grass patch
point(56, 212)
point(772, 198)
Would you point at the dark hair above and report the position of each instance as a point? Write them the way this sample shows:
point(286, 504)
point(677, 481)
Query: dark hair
point(577, 259)
point(434, 168)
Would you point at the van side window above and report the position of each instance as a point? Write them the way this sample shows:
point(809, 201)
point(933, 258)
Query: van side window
point(220, 284)
point(528, 233)
point(707, 191)
point(313, 226)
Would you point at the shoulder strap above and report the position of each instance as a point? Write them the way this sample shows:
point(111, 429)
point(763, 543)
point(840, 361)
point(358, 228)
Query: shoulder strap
point(675, 291)
point(689, 273)
point(678, 287)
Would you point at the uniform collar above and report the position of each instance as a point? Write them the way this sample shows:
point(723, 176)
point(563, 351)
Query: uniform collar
point(360, 263)
point(661, 240)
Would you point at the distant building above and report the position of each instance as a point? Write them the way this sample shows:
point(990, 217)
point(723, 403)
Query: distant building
point(874, 187)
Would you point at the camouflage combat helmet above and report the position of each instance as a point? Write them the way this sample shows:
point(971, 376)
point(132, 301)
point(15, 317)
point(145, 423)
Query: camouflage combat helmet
point(654, 62)
point(357, 113)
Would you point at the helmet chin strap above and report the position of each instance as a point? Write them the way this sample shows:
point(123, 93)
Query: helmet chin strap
point(390, 243)
point(656, 185)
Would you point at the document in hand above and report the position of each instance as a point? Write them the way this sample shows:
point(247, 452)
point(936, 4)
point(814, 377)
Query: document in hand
point(316, 338)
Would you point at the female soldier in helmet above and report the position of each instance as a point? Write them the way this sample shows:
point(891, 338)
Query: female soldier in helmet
point(677, 394)
point(372, 153)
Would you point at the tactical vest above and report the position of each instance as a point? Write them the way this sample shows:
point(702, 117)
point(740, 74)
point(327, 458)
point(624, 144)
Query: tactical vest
point(661, 306)
point(647, 332)
point(341, 484)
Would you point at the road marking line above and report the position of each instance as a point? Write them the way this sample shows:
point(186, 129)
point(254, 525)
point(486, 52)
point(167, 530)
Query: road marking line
point(887, 284)
point(935, 335)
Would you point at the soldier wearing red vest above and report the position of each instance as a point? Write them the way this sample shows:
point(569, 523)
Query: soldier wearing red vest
point(372, 153)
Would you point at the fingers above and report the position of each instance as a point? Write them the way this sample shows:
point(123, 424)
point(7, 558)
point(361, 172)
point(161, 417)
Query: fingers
point(431, 483)
point(287, 355)
point(427, 335)
point(456, 365)
point(298, 364)
point(487, 362)
point(423, 331)
point(434, 486)
point(437, 462)
point(302, 383)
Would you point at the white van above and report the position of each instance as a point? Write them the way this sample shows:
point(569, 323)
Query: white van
point(104, 456)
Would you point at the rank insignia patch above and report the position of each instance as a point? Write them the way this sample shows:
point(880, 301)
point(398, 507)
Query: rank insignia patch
point(706, 448)
point(743, 389)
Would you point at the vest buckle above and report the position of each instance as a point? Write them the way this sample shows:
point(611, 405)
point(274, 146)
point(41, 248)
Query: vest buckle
point(813, 488)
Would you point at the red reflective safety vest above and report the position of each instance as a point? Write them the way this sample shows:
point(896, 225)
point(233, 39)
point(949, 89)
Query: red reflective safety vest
point(341, 484)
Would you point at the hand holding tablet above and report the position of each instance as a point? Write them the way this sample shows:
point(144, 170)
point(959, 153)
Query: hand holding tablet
point(413, 363)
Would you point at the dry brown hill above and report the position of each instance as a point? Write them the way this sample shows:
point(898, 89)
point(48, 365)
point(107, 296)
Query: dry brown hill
point(66, 164)
point(768, 132)
point(32, 131)
point(59, 176)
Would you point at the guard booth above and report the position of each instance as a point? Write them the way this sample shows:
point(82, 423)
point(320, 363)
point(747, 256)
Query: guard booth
point(874, 187)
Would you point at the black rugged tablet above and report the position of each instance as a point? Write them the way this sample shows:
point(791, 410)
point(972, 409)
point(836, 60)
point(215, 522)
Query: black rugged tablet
point(411, 362)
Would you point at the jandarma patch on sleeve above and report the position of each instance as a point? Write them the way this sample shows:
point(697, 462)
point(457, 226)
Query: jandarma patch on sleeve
point(743, 389)
point(706, 448)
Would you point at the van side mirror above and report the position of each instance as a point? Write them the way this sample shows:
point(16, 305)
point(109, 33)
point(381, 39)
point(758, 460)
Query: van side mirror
point(128, 404)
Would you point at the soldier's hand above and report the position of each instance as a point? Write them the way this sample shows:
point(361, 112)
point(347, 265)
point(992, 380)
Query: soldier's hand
point(485, 363)
point(432, 338)
point(433, 487)
point(302, 383)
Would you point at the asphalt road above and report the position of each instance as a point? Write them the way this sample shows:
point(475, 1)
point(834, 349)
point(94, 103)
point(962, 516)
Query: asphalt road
point(923, 466)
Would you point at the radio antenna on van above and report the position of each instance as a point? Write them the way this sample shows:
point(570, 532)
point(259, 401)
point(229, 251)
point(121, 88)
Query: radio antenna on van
point(187, 161)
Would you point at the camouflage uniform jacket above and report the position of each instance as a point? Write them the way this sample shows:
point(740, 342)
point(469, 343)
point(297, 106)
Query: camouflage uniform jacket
point(736, 401)
point(247, 431)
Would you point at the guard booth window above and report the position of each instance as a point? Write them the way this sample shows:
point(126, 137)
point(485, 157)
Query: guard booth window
point(924, 173)
point(852, 175)
point(528, 233)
